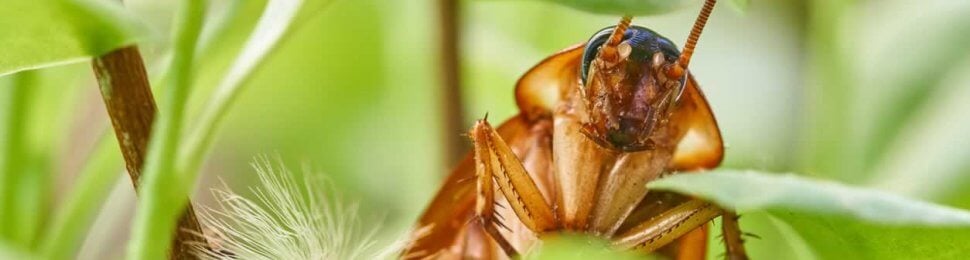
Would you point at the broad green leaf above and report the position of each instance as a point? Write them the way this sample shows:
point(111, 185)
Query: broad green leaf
point(832, 237)
point(749, 190)
point(622, 7)
point(836, 221)
point(40, 33)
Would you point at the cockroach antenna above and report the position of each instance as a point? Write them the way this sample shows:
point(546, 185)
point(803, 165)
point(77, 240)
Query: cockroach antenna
point(617, 35)
point(676, 71)
point(609, 50)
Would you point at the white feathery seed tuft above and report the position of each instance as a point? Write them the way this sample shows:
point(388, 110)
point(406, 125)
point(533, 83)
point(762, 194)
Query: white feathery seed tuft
point(286, 220)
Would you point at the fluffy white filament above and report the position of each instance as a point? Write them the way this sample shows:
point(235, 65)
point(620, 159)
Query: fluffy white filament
point(286, 220)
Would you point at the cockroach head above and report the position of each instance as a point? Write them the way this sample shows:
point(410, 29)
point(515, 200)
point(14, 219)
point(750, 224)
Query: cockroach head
point(625, 87)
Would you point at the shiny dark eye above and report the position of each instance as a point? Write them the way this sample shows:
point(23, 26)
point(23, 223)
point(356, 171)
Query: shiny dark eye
point(592, 47)
point(645, 43)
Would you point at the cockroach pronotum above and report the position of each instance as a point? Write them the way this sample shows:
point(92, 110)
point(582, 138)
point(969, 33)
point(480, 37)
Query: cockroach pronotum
point(597, 121)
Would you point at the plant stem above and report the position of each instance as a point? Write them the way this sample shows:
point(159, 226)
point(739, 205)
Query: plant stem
point(449, 12)
point(127, 96)
point(130, 104)
point(14, 159)
point(164, 190)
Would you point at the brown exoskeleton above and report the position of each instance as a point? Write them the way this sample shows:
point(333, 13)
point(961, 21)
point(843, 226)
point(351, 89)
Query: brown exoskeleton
point(598, 121)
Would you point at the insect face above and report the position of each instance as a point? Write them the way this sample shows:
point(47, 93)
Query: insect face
point(626, 92)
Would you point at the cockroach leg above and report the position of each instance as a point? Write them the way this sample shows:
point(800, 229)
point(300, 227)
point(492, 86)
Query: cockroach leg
point(493, 232)
point(668, 226)
point(485, 201)
point(732, 236)
point(693, 245)
point(496, 163)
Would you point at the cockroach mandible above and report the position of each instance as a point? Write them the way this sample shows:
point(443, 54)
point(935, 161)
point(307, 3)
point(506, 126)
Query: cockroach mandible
point(598, 121)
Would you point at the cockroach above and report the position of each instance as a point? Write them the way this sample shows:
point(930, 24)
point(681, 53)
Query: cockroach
point(597, 122)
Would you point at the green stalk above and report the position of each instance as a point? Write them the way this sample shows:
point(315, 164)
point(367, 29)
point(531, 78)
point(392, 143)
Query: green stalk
point(15, 157)
point(164, 191)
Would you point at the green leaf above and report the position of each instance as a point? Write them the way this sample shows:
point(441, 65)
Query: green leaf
point(622, 7)
point(848, 238)
point(41, 33)
point(835, 220)
point(749, 190)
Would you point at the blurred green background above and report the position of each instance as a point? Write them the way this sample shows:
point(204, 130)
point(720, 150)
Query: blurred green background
point(352, 94)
